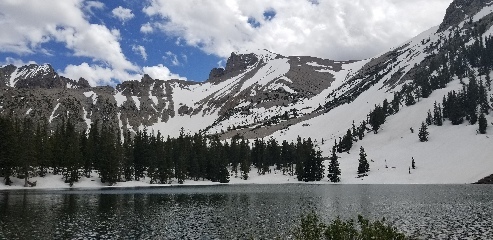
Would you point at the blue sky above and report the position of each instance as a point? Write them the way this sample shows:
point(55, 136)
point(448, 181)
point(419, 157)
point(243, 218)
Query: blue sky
point(107, 42)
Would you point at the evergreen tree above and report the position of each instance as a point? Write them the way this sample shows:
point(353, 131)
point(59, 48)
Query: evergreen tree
point(7, 149)
point(334, 170)
point(361, 130)
point(437, 114)
point(483, 124)
point(128, 157)
point(347, 142)
point(301, 156)
point(376, 118)
point(410, 98)
point(313, 169)
point(423, 132)
point(429, 118)
point(363, 166)
point(396, 103)
point(483, 99)
point(71, 155)
point(244, 162)
point(287, 157)
point(27, 159)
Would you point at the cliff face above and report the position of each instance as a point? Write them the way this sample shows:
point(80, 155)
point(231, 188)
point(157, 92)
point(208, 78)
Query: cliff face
point(460, 10)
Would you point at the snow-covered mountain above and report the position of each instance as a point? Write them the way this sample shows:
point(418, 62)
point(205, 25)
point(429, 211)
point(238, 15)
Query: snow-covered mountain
point(263, 94)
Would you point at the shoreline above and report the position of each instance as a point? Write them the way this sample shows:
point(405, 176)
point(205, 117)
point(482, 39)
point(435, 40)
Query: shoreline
point(55, 182)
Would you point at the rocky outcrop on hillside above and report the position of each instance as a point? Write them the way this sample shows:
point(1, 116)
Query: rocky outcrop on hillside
point(459, 10)
point(37, 76)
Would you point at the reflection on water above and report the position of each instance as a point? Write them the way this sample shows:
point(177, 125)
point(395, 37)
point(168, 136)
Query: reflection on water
point(241, 212)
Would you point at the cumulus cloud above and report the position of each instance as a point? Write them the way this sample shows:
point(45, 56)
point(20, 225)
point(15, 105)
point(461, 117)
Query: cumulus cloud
point(27, 25)
point(146, 28)
point(15, 62)
point(336, 29)
point(161, 72)
point(124, 14)
point(140, 50)
point(98, 75)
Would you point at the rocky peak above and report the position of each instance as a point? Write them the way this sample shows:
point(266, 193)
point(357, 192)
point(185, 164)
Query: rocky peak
point(238, 62)
point(459, 10)
point(216, 73)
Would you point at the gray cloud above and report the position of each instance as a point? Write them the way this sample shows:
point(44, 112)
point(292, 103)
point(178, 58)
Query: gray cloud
point(336, 29)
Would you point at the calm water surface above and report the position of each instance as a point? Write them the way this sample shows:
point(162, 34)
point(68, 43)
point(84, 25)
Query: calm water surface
point(242, 212)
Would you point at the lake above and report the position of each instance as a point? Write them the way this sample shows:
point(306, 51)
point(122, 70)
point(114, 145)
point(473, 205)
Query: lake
point(241, 211)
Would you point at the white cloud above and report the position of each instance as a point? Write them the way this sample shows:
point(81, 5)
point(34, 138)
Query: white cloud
point(220, 64)
point(98, 75)
point(146, 28)
point(26, 25)
point(337, 29)
point(16, 62)
point(161, 72)
point(124, 14)
point(90, 5)
point(173, 58)
point(140, 50)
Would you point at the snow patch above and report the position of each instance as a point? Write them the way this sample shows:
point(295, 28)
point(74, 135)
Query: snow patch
point(92, 95)
point(272, 70)
point(52, 116)
point(87, 120)
point(483, 13)
point(120, 99)
point(137, 101)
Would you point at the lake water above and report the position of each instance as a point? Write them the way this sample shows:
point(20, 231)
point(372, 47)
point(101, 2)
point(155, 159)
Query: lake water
point(242, 211)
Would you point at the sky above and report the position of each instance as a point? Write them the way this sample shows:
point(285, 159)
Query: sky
point(107, 42)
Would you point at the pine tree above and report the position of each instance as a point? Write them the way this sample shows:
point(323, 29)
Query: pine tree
point(244, 159)
point(363, 166)
point(483, 124)
point(301, 155)
point(334, 170)
point(7, 149)
point(423, 132)
point(437, 114)
point(313, 168)
point(361, 130)
point(377, 118)
point(429, 118)
point(396, 102)
point(483, 99)
point(410, 98)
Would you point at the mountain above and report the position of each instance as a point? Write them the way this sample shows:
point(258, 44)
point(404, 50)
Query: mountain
point(264, 94)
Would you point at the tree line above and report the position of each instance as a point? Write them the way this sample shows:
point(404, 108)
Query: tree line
point(28, 150)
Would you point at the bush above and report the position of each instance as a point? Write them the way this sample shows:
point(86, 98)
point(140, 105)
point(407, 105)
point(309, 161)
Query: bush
point(311, 228)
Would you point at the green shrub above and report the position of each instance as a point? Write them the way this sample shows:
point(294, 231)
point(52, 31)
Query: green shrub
point(311, 228)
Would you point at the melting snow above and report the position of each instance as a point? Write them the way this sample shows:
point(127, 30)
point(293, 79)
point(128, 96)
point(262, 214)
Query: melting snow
point(483, 13)
point(137, 101)
point(53, 113)
point(93, 95)
point(120, 99)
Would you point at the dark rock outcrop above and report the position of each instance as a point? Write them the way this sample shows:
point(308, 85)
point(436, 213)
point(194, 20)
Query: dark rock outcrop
point(458, 10)
point(486, 180)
